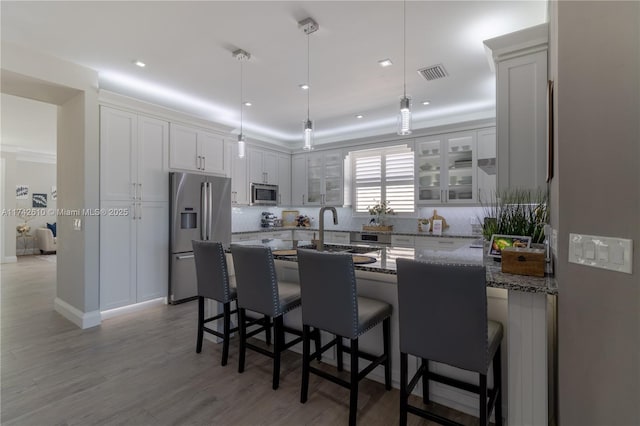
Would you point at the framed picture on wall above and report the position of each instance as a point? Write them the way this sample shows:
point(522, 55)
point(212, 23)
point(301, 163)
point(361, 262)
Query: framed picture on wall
point(22, 192)
point(39, 201)
point(54, 193)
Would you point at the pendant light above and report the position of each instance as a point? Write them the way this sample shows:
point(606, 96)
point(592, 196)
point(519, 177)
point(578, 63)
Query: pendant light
point(404, 117)
point(241, 56)
point(309, 26)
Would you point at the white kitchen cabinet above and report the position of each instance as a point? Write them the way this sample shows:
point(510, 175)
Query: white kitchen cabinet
point(486, 171)
point(263, 166)
point(284, 179)
point(237, 170)
point(298, 179)
point(196, 150)
point(441, 243)
point(325, 178)
point(133, 252)
point(446, 168)
point(402, 241)
point(337, 237)
point(304, 235)
point(271, 168)
point(133, 152)
point(520, 60)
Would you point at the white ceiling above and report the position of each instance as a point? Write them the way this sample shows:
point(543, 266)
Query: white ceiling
point(187, 48)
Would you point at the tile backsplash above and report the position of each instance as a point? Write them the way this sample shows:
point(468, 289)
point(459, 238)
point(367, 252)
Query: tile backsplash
point(459, 219)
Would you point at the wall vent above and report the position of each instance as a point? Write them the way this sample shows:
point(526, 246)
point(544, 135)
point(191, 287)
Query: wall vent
point(433, 72)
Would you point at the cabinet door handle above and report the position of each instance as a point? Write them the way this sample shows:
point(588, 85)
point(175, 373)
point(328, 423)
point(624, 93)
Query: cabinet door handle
point(198, 162)
point(279, 198)
point(139, 211)
point(135, 193)
point(204, 162)
point(140, 193)
point(133, 216)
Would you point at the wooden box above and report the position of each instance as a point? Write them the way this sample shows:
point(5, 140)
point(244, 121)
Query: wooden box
point(523, 261)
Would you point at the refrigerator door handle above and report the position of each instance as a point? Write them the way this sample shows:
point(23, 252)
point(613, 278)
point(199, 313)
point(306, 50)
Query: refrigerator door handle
point(203, 209)
point(209, 209)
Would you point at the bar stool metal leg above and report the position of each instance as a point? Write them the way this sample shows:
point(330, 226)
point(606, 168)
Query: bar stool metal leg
point(267, 330)
point(306, 348)
point(484, 421)
point(403, 388)
point(425, 381)
point(497, 386)
point(353, 394)
point(278, 344)
point(200, 324)
point(386, 332)
point(339, 353)
point(226, 332)
point(243, 331)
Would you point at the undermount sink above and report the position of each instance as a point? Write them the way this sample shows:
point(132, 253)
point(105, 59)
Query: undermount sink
point(343, 249)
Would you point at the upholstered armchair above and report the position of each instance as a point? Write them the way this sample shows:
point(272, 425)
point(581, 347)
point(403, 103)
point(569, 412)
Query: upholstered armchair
point(45, 240)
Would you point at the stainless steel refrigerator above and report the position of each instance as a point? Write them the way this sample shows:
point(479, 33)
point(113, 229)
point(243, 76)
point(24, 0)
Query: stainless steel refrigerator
point(200, 210)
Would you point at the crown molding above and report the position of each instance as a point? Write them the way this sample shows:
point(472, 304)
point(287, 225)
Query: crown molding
point(32, 155)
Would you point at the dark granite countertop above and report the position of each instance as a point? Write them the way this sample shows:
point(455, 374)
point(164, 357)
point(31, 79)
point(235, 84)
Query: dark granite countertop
point(414, 234)
point(385, 263)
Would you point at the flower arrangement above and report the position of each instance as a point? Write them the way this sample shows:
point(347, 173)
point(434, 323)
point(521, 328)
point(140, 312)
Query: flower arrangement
point(380, 210)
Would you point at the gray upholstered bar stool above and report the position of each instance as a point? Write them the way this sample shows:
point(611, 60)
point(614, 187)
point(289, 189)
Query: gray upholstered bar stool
point(330, 302)
point(214, 283)
point(260, 291)
point(442, 313)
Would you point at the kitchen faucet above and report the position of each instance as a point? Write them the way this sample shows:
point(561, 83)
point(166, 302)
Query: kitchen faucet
point(320, 246)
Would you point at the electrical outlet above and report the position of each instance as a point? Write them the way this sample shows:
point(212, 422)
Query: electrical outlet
point(615, 254)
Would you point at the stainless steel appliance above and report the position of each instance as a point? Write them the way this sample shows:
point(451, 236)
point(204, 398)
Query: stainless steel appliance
point(200, 210)
point(370, 238)
point(264, 195)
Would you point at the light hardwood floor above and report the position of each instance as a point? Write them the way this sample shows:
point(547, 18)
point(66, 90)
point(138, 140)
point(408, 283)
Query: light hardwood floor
point(142, 369)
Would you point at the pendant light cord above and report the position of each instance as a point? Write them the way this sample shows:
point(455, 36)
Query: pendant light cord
point(308, 82)
point(241, 97)
point(404, 44)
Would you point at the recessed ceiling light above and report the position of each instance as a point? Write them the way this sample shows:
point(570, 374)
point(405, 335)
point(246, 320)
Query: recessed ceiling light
point(140, 64)
point(426, 102)
point(304, 86)
point(385, 62)
point(248, 104)
point(359, 116)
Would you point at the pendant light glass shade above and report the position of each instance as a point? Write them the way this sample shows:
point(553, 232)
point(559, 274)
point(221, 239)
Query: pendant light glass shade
point(241, 146)
point(404, 117)
point(308, 135)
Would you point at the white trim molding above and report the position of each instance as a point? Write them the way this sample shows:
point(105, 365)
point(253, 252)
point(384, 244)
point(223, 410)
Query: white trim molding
point(116, 312)
point(9, 259)
point(76, 316)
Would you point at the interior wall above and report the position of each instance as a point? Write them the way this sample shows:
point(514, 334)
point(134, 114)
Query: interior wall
point(74, 89)
point(598, 78)
point(9, 202)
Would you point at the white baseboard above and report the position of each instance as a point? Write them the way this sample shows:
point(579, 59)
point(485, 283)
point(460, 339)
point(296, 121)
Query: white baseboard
point(76, 316)
point(9, 259)
point(111, 313)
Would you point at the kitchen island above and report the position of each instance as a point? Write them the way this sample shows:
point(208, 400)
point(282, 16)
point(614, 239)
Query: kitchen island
point(524, 305)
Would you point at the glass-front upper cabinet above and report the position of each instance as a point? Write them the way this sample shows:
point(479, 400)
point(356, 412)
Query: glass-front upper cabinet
point(324, 178)
point(446, 168)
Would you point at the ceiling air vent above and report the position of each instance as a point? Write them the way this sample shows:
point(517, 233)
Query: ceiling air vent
point(433, 72)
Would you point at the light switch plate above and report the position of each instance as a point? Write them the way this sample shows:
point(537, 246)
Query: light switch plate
point(615, 254)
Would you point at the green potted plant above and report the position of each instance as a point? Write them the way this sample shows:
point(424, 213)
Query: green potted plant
point(380, 211)
point(515, 212)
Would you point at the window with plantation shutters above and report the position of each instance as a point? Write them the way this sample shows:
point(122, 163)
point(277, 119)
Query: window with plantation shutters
point(385, 174)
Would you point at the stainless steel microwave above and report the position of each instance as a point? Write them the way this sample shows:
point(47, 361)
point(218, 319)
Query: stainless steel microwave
point(264, 195)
